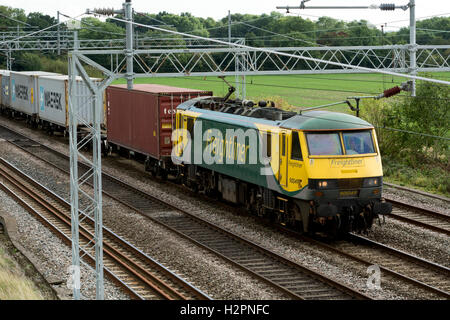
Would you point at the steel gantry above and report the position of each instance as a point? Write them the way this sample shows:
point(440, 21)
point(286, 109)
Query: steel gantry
point(245, 61)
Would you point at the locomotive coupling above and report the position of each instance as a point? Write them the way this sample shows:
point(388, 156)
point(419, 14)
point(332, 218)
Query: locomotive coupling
point(327, 210)
point(382, 208)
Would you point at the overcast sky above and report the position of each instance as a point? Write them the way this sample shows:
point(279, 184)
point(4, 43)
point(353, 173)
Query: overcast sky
point(219, 9)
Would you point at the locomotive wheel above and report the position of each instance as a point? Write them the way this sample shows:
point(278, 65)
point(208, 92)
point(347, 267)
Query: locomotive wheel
point(162, 173)
point(296, 224)
point(333, 228)
point(153, 170)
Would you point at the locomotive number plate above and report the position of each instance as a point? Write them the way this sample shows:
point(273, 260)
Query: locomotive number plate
point(348, 193)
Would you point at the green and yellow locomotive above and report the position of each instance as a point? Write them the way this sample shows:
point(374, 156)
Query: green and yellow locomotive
point(316, 171)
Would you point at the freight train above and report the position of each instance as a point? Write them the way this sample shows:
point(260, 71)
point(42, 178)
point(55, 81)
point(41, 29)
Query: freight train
point(315, 171)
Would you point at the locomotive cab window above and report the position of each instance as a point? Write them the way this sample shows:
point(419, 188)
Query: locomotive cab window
point(324, 144)
point(359, 142)
point(267, 144)
point(296, 151)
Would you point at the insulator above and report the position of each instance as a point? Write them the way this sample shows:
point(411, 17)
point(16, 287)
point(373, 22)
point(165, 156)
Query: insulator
point(105, 11)
point(262, 103)
point(391, 92)
point(387, 6)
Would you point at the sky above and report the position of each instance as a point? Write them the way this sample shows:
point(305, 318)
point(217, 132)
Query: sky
point(219, 9)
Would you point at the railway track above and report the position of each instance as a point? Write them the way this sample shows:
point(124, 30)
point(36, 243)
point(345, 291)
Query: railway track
point(409, 269)
point(414, 271)
point(286, 276)
point(421, 217)
point(139, 275)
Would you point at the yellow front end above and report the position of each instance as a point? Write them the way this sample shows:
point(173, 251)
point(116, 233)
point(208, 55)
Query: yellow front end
point(344, 166)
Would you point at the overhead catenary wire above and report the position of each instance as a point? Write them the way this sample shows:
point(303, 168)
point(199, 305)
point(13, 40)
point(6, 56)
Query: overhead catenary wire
point(286, 54)
point(299, 14)
point(385, 128)
point(244, 22)
point(319, 89)
point(38, 31)
point(226, 25)
point(417, 18)
point(317, 44)
point(15, 20)
point(376, 127)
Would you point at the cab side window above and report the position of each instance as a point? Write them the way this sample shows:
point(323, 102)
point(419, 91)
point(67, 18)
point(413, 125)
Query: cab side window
point(190, 127)
point(296, 153)
point(180, 121)
point(267, 144)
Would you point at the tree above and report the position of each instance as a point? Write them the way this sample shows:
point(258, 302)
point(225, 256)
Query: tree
point(9, 15)
point(41, 21)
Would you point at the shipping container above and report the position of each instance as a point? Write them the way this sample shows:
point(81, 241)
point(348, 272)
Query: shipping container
point(53, 97)
point(23, 90)
point(141, 119)
point(4, 96)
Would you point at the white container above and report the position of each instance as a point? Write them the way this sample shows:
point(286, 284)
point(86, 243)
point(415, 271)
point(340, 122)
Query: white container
point(53, 101)
point(23, 90)
point(4, 94)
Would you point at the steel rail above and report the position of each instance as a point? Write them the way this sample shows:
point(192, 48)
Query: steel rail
point(421, 217)
point(427, 194)
point(63, 235)
point(113, 251)
point(358, 242)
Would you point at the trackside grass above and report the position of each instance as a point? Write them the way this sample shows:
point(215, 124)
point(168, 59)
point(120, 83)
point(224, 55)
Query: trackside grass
point(13, 284)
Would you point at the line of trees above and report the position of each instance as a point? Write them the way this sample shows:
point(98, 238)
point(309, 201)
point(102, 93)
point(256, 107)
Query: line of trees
point(266, 30)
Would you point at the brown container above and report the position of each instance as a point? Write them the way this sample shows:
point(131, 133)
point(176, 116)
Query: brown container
point(141, 119)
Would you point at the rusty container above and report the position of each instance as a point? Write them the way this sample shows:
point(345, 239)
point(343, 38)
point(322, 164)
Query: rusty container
point(141, 119)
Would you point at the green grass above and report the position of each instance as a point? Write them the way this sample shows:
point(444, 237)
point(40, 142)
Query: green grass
point(428, 177)
point(14, 285)
point(296, 90)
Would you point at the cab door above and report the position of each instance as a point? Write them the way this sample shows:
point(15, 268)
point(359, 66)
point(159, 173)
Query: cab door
point(178, 142)
point(188, 136)
point(283, 166)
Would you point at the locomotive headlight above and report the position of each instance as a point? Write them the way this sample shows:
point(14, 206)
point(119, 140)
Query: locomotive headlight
point(323, 184)
point(372, 182)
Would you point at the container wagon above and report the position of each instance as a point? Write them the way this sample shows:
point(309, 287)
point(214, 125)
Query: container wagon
point(141, 121)
point(5, 100)
point(24, 96)
point(53, 106)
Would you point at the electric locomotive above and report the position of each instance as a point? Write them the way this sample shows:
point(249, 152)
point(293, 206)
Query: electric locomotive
point(316, 171)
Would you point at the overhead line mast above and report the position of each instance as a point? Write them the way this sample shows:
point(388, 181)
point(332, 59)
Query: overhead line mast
point(383, 7)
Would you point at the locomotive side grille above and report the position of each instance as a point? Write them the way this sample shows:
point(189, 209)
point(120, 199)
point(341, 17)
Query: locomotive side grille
point(350, 183)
